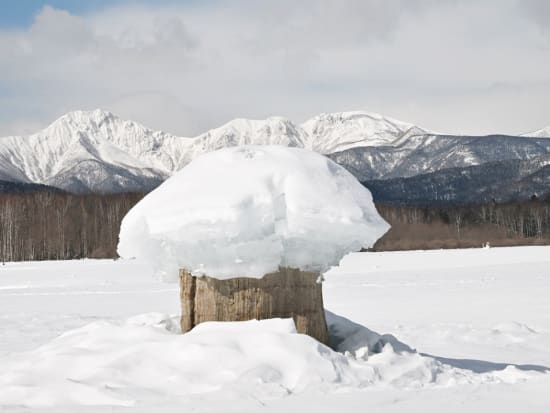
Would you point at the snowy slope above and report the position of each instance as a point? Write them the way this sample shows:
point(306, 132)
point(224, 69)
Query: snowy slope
point(335, 132)
point(271, 131)
point(502, 181)
point(421, 154)
point(92, 151)
point(541, 133)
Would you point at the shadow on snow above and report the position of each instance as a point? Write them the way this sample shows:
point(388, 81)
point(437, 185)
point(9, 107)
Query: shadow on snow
point(347, 336)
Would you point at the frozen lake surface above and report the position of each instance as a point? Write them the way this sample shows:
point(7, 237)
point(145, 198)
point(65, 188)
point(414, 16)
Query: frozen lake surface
point(101, 335)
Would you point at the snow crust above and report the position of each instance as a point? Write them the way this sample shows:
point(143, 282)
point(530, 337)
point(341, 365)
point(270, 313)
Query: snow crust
point(247, 211)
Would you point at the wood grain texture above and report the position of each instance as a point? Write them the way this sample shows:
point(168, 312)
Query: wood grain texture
point(283, 294)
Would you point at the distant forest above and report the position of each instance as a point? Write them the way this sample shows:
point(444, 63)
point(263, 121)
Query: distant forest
point(46, 225)
point(55, 226)
point(434, 227)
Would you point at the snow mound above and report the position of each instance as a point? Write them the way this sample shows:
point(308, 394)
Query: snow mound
point(247, 211)
point(144, 358)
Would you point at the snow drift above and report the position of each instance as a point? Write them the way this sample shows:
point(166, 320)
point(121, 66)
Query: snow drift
point(144, 358)
point(249, 210)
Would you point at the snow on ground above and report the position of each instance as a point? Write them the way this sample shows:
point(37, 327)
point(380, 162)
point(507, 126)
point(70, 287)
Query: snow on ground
point(102, 335)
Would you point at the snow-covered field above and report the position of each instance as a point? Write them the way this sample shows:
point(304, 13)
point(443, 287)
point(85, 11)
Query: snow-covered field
point(101, 335)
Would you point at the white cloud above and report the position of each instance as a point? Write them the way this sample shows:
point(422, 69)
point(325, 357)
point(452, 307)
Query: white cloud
point(471, 67)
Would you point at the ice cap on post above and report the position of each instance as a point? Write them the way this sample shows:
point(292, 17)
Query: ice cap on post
point(248, 210)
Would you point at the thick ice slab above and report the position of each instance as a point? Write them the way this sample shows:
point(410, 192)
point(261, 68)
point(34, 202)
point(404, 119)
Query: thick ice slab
point(246, 211)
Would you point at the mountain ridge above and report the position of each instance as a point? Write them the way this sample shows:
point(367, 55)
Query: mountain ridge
point(110, 145)
point(96, 151)
point(539, 133)
point(500, 181)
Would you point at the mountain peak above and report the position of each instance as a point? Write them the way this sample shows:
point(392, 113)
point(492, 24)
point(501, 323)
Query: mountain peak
point(86, 116)
point(72, 123)
point(253, 123)
point(334, 132)
point(540, 133)
point(275, 130)
point(358, 115)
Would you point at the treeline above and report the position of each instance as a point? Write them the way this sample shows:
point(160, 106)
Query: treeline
point(431, 227)
point(52, 226)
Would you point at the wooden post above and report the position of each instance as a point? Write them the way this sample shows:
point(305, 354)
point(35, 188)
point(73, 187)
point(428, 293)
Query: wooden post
point(283, 294)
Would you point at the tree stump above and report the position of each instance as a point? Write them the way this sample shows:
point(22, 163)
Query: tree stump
point(283, 294)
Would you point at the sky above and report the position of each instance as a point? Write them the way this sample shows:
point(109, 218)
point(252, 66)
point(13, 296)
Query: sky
point(466, 67)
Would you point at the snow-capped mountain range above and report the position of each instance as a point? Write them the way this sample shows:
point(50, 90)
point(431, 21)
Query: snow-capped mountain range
point(541, 133)
point(97, 151)
point(500, 181)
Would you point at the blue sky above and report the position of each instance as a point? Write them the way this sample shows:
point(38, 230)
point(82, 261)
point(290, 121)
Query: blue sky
point(21, 13)
point(184, 66)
